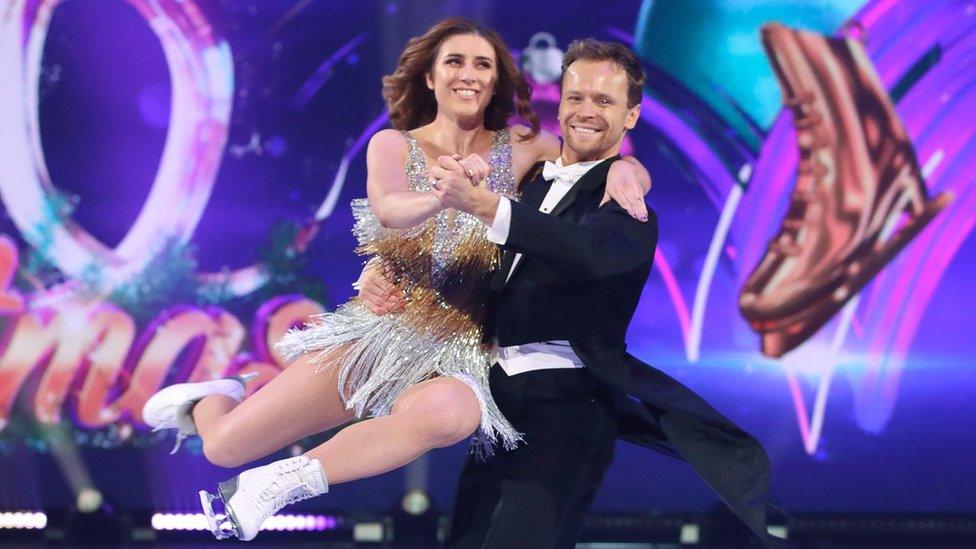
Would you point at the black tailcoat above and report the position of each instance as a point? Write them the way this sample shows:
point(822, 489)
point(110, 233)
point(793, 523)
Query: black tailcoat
point(580, 279)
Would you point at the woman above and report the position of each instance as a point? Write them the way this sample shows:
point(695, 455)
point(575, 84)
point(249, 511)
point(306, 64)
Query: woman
point(422, 373)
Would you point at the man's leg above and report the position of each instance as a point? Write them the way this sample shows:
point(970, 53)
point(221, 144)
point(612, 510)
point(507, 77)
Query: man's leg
point(479, 488)
point(572, 522)
point(548, 484)
point(474, 506)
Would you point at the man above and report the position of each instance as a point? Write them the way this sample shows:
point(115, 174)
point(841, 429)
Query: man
point(571, 277)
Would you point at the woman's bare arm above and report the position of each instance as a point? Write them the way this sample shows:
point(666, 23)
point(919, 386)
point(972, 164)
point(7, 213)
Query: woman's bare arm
point(525, 154)
point(639, 171)
point(395, 205)
point(627, 183)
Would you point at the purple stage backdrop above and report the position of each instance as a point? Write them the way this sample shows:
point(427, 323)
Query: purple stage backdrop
point(176, 179)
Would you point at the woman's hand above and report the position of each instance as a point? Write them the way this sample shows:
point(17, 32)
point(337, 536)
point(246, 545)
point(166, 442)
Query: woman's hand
point(376, 290)
point(624, 186)
point(458, 187)
point(473, 168)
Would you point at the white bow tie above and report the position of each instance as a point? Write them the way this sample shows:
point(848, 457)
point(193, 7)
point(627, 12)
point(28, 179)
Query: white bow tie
point(572, 172)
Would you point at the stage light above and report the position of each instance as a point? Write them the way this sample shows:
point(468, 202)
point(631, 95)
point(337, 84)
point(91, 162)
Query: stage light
point(179, 521)
point(278, 523)
point(369, 532)
point(88, 500)
point(313, 523)
point(23, 520)
point(690, 534)
point(415, 502)
point(415, 520)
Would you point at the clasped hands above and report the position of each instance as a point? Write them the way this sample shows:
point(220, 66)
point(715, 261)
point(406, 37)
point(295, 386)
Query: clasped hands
point(458, 183)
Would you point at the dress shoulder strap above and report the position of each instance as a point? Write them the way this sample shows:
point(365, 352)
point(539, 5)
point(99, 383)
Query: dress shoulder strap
point(416, 166)
point(501, 180)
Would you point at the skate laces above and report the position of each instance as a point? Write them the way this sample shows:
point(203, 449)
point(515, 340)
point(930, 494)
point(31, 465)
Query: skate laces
point(289, 486)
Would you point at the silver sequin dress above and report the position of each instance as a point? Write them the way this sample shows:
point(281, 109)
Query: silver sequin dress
point(442, 266)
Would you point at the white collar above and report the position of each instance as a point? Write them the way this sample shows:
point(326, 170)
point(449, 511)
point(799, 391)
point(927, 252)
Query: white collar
point(572, 173)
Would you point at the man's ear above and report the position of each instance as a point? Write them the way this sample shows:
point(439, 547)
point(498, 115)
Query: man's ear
point(632, 117)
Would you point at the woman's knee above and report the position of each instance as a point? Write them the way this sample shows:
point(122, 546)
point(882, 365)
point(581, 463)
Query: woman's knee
point(221, 449)
point(449, 412)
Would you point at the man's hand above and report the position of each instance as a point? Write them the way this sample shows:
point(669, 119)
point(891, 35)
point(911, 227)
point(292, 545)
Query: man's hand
point(623, 186)
point(456, 189)
point(377, 292)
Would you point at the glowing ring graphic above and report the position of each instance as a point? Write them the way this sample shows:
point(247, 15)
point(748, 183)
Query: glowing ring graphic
point(202, 75)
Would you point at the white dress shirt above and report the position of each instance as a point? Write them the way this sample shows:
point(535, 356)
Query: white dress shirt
point(543, 355)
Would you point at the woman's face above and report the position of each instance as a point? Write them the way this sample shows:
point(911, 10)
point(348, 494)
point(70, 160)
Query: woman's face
point(463, 75)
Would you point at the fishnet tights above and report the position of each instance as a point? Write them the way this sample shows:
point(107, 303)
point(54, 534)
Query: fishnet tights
point(301, 401)
point(433, 414)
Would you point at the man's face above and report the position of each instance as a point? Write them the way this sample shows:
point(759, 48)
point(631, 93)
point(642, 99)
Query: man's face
point(593, 112)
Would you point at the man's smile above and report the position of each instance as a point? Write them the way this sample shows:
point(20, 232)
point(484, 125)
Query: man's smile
point(585, 130)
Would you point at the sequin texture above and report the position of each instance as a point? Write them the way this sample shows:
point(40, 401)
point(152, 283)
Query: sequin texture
point(442, 266)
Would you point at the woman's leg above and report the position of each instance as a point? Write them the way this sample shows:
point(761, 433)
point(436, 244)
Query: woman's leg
point(433, 414)
point(297, 403)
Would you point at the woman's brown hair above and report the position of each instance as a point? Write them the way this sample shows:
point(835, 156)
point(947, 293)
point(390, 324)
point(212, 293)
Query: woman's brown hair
point(411, 103)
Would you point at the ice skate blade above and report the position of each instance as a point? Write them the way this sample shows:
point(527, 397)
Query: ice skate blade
point(782, 336)
point(222, 527)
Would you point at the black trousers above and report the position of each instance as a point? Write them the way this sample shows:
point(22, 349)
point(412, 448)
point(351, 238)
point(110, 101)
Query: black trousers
point(537, 494)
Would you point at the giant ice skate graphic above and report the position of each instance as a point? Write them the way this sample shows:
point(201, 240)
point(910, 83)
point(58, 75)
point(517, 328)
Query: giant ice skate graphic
point(859, 196)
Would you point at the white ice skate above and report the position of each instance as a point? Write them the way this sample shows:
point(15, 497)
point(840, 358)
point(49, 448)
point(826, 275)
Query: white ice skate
point(254, 495)
point(171, 407)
